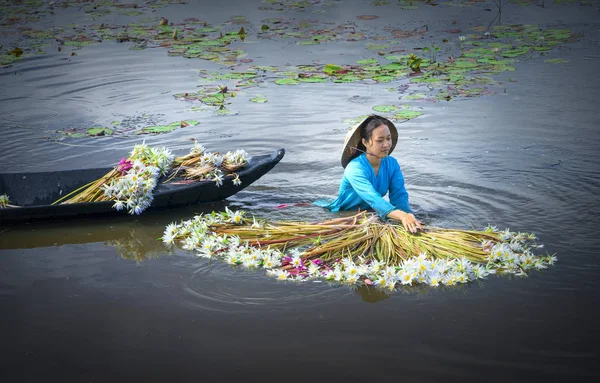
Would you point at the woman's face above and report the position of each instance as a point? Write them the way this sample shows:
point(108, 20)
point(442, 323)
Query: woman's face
point(380, 142)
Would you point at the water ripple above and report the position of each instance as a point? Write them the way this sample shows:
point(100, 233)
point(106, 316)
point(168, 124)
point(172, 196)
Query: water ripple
point(217, 287)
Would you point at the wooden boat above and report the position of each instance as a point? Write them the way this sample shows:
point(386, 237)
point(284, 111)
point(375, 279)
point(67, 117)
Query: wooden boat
point(34, 193)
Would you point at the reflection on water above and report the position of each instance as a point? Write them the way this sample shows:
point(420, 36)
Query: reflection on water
point(137, 246)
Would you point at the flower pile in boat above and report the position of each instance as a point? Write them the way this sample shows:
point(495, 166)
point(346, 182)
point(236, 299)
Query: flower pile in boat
point(200, 165)
point(359, 249)
point(130, 183)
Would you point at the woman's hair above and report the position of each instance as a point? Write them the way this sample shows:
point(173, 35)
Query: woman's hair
point(367, 131)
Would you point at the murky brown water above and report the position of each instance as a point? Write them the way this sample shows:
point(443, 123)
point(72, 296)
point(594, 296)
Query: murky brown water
point(103, 300)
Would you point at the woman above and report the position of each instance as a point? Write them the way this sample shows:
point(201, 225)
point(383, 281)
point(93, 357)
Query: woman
point(370, 173)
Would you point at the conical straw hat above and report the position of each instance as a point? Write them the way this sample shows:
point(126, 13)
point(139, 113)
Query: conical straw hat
point(352, 139)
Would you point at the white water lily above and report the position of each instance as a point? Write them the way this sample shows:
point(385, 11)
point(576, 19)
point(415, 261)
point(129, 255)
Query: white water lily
point(314, 270)
point(513, 256)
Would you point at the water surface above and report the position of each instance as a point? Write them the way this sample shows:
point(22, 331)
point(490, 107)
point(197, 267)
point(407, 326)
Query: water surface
point(103, 300)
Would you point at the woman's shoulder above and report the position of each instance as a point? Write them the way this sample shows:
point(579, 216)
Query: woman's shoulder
point(390, 161)
point(356, 161)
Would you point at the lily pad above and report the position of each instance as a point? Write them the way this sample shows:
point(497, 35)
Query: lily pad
point(367, 62)
point(168, 128)
point(354, 121)
point(556, 61)
point(99, 131)
point(225, 112)
point(287, 81)
point(516, 52)
point(385, 108)
point(393, 66)
point(416, 96)
point(308, 42)
point(213, 100)
point(331, 69)
point(347, 78)
point(384, 78)
point(312, 79)
point(407, 114)
point(258, 99)
point(376, 47)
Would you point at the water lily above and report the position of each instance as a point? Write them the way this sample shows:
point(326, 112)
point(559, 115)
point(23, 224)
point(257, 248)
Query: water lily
point(4, 201)
point(124, 166)
point(453, 256)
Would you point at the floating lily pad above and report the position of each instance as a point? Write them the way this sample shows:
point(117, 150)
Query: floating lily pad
point(207, 30)
point(556, 61)
point(213, 100)
point(258, 99)
point(265, 68)
point(347, 78)
point(287, 81)
point(385, 108)
point(367, 62)
point(168, 128)
point(516, 52)
point(396, 58)
point(376, 47)
point(384, 78)
point(416, 96)
point(308, 42)
point(394, 66)
point(99, 131)
point(354, 121)
point(225, 112)
point(331, 69)
point(557, 34)
point(407, 114)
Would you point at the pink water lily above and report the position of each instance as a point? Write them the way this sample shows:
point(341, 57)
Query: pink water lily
point(124, 165)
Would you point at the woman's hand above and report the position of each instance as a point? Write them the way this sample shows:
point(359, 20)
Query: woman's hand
point(408, 220)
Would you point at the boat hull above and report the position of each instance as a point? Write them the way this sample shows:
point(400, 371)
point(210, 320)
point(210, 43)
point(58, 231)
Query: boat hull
point(34, 193)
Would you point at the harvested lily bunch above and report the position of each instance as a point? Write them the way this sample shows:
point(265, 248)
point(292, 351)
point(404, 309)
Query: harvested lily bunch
point(5, 202)
point(200, 165)
point(130, 183)
point(359, 249)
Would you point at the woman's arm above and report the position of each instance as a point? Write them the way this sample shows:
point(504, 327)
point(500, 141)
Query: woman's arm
point(399, 198)
point(398, 193)
point(408, 220)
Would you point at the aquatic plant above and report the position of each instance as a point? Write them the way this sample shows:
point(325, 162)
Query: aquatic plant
point(5, 202)
point(358, 249)
point(130, 183)
point(200, 165)
point(462, 43)
point(414, 63)
point(432, 52)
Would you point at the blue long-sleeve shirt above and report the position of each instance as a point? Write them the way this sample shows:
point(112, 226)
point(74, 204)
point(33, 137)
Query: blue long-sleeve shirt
point(361, 188)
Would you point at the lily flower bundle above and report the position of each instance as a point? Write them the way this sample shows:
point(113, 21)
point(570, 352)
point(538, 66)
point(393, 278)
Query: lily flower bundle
point(130, 183)
point(359, 249)
point(200, 165)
